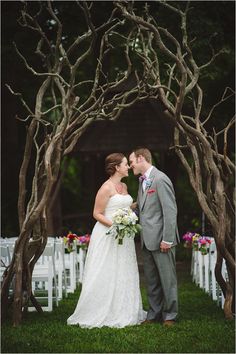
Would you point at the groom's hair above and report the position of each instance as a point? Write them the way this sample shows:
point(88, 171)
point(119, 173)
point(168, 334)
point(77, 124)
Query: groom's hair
point(144, 152)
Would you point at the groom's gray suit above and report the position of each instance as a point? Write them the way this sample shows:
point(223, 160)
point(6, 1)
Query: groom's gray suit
point(158, 213)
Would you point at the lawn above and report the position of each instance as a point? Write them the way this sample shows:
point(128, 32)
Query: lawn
point(201, 328)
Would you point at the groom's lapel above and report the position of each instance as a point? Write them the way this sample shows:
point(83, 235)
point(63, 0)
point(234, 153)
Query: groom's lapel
point(144, 196)
point(140, 192)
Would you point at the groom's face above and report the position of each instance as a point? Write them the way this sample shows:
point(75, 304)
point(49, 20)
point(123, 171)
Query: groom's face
point(134, 164)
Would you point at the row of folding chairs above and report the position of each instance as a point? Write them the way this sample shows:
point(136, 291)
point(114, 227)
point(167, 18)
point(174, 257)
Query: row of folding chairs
point(203, 273)
point(55, 274)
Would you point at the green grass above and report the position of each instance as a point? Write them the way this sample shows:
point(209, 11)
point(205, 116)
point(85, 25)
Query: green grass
point(201, 328)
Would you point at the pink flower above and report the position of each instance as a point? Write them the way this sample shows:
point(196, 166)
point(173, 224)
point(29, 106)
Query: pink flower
point(203, 241)
point(188, 236)
point(85, 239)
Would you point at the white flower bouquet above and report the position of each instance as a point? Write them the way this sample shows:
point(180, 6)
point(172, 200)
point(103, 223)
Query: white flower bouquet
point(124, 224)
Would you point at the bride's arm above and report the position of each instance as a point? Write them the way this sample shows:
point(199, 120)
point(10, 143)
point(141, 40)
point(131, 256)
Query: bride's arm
point(101, 201)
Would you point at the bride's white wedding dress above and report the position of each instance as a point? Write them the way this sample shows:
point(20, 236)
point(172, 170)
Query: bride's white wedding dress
point(110, 293)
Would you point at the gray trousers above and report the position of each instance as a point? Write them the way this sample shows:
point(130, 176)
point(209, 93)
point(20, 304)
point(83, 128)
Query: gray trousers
point(160, 274)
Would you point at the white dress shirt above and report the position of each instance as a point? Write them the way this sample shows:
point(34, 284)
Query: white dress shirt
point(146, 174)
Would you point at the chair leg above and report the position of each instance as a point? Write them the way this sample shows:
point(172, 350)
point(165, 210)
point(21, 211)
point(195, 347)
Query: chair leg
point(60, 285)
point(50, 299)
point(207, 273)
point(56, 294)
point(214, 290)
point(200, 270)
point(65, 282)
point(81, 265)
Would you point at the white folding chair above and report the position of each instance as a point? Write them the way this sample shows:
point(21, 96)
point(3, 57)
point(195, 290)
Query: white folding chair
point(60, 267)
point(71, 266)
point(195, 267)
point(5, 258)
point(10, 241)
point(206, 272)
point(81, 261)
point(45, 271)
point(200, 268)
point(213, 286)
point(225, 276)
point(2, 240)
point(43, 261)
point(192, 263)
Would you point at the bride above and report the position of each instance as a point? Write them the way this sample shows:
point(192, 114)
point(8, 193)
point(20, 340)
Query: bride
point(110, 293)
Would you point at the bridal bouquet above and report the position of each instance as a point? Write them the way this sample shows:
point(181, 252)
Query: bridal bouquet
point(124, 224)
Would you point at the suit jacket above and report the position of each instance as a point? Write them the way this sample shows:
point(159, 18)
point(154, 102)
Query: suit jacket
point(157, 211)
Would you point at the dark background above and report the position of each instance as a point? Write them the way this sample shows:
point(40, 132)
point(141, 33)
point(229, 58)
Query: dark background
point(142, 123)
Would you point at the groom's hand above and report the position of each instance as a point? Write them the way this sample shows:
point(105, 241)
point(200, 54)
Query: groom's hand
point(134, 206)
point(165, 247)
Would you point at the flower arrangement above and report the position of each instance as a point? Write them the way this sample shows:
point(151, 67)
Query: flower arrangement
point(188, 239)
point(83, 241)
point(69, 241)
point(72, 241)
point(124, 224)
point(203, 242)
point(197, 242)
point(195, 239)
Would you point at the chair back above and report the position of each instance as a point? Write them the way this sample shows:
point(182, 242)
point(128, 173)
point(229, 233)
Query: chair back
point(5, 255)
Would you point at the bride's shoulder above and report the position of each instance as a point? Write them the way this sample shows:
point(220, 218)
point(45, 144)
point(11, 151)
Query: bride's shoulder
point(105, 189)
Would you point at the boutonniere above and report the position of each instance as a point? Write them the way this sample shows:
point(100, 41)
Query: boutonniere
point(150, 191)
point(148, 182)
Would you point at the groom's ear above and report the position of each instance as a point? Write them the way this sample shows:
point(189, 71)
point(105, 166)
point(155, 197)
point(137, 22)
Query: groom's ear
point(140, 158)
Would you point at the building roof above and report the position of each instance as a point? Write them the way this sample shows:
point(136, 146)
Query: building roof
point(143, 124)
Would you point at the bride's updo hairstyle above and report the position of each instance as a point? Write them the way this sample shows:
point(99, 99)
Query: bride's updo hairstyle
point(112, 161)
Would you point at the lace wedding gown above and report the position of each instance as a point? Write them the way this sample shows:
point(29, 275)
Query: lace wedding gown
point(110, 293)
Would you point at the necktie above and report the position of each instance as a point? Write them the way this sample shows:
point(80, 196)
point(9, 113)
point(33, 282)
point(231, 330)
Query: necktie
point(142, 178)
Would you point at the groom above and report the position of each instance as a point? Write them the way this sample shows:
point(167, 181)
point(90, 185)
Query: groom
point(159, 236)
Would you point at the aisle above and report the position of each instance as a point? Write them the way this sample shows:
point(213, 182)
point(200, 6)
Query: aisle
point(200, 324)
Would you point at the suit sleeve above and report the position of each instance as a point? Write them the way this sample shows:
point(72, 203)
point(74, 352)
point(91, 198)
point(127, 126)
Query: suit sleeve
point(169, 209)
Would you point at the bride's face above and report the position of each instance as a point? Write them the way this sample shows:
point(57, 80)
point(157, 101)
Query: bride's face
point(123, 168)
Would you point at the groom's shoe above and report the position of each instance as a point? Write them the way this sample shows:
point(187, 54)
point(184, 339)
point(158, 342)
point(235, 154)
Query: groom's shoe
point(168, 323)
point(148, 322)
